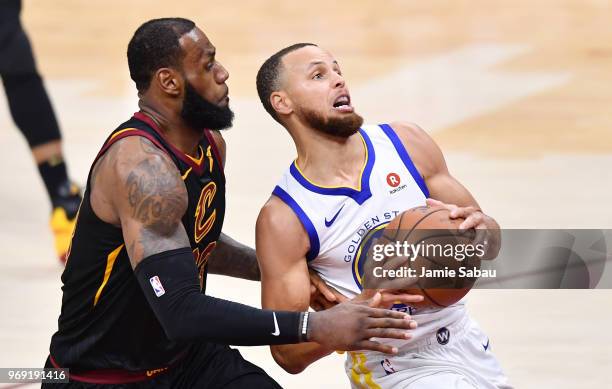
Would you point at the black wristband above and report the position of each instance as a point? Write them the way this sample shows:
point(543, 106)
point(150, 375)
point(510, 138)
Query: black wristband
point(170, 283)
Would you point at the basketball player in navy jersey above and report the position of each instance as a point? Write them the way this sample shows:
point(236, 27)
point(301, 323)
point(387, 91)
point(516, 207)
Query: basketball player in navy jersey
point(348, 181)
point(134, 311)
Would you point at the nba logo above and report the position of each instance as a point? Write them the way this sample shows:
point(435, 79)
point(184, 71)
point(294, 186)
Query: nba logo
point(387, 366)
point(157, 286)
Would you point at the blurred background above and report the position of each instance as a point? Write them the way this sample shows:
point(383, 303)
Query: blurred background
point(516, 93)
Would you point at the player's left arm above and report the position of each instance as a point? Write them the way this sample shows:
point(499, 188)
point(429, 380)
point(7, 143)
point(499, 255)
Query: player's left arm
point(444, 189)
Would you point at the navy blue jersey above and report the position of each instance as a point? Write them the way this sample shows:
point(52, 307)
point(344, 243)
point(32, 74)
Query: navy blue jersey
point(105, 321)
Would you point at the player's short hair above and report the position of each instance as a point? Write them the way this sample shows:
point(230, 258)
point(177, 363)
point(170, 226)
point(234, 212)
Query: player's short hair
point(155, 45)
point(269, 73)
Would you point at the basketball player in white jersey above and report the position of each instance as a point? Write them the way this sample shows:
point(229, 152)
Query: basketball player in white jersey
point(348, 181)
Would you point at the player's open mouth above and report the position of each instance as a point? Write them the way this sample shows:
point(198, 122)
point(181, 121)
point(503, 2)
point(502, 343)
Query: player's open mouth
point(343, 104)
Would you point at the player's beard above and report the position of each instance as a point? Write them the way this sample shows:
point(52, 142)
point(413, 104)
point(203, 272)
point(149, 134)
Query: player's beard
point(199, 113)
point(343, 126)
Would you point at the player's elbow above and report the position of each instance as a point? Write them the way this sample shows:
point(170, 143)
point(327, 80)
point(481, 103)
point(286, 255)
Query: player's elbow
point(294, 368)
point(290, 365)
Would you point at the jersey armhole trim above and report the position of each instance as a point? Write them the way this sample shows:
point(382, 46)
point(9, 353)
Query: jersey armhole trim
point(313, 252)
point(215, 149)
point(124, 134)
point(403, 154)
point(197, 169)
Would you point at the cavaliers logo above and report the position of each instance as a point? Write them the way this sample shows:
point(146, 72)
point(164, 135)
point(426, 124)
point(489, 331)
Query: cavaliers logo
point(204, 222)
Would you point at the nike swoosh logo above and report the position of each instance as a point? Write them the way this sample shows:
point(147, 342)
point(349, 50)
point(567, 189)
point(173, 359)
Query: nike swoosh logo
point(329, 223)
point(486, 346)
point(276, 329)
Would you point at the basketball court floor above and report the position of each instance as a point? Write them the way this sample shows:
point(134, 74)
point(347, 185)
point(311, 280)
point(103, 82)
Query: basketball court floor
point(516, 93)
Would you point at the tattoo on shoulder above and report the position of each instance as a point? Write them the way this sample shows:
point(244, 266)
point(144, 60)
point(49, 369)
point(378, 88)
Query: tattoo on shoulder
point(149, 147)
point(156, 193)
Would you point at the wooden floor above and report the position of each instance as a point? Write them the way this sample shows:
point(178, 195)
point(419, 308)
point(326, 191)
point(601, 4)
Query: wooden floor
point(516, 93)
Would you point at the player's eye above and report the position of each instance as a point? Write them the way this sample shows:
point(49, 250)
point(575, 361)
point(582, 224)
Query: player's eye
point(210, 65)
point(317, 76)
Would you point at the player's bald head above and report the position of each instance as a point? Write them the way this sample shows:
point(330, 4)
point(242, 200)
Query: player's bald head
point(269, 76)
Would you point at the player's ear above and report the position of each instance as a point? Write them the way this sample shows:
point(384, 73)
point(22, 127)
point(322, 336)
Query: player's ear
point(168, 81)
point(281, 102)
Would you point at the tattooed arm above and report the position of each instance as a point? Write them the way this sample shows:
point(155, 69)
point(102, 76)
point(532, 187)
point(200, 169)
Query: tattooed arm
point(232, 258)
point(137, 187)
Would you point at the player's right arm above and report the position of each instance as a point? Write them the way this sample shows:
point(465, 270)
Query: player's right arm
point(136, 186)
point(282, 244)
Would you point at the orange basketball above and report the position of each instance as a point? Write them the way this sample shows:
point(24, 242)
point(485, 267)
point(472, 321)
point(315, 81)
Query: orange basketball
point(436, 235)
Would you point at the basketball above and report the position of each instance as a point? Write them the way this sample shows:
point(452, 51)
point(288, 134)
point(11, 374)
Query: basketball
point(443, 267)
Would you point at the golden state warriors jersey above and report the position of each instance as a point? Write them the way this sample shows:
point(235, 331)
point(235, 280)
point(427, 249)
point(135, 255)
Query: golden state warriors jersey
point(343, 222)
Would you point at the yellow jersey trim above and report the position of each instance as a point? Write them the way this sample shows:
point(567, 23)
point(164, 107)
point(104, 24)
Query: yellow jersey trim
point(198, 161)
point(110, 262)
point(359, 370)
point(121, 132)
point(184, 176)
point(358, 254)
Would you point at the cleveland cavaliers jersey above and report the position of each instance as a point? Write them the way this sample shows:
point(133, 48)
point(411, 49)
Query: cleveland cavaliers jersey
point(343, 222)
point(106, 321)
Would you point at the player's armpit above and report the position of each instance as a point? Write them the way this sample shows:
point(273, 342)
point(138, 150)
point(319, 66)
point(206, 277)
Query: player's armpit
point(149, 197)
point(281, 244)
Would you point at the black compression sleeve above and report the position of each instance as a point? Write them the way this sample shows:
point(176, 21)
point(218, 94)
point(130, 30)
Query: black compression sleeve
point(169, 281)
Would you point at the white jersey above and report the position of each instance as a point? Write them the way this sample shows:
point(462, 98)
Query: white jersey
point(448, 350)
point(341, 221)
